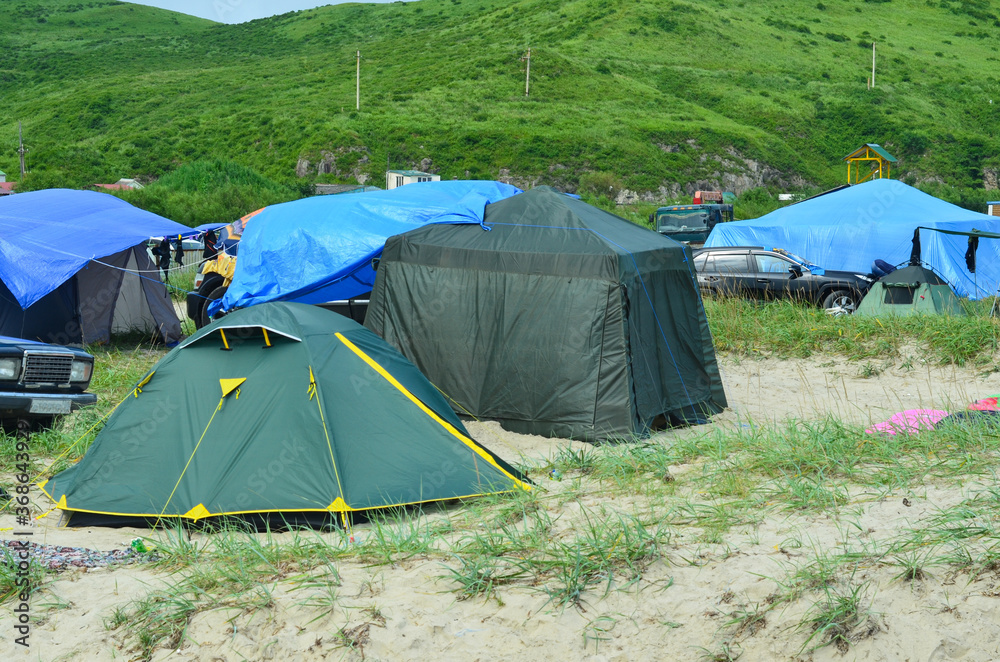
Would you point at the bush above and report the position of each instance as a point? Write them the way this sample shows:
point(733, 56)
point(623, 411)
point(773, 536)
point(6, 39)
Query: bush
point(210, 191)
point(755, 203)
point(602, 184)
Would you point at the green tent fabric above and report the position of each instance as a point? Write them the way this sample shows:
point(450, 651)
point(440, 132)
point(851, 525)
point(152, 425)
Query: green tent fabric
point(911, 290)
point(555, 318)
point(279, 409)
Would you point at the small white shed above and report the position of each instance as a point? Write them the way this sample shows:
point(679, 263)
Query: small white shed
point(395, 178)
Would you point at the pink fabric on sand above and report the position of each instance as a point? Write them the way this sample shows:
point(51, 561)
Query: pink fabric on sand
point(909, 421)
point(986, 404)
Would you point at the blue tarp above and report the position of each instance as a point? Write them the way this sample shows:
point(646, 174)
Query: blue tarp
point(48, 236)
point(320, 248)
point(848, 229)
point(205, 227)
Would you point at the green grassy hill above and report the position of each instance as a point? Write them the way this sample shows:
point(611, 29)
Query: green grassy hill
point(657, 96)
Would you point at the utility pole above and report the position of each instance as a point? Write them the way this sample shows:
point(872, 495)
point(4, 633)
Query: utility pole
point(21, 150)
point(873, 64)
point(527, 72)
point(357, 105)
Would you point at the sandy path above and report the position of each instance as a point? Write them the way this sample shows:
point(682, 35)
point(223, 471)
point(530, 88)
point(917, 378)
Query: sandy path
point(677, 611)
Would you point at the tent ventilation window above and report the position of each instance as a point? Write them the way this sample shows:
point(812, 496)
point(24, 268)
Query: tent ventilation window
point(899, 294)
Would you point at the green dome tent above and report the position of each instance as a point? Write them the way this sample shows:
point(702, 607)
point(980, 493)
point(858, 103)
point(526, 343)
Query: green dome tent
point(560, 320)
point(912, 290)
point(280, 412)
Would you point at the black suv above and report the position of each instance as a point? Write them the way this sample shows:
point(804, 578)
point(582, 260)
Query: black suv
point(770, 273)
point(39, 382)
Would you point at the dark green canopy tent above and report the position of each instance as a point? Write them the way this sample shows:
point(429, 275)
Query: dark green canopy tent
point(554, 317)
point(282, 412)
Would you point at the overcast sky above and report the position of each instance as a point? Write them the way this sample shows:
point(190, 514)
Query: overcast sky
point(237, 11)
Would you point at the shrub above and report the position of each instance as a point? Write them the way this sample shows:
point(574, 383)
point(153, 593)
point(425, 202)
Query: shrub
point(598, 183)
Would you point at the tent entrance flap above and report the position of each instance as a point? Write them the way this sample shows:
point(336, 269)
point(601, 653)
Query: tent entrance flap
point(899, 293)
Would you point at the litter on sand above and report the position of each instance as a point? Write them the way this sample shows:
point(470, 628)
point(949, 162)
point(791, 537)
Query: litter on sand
point(57, 557)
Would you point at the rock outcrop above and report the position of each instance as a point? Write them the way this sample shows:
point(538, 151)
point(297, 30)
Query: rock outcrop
point(327, 164)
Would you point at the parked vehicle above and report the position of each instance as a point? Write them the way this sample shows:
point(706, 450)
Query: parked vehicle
point(707, 198)
point(771, 273)
point(215, 276)
point(690, 223)
point(39, 382)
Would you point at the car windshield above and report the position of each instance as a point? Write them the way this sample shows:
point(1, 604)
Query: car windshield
point(795, 258)
point(682, 219)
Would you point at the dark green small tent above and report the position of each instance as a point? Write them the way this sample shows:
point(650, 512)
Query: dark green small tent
point(282, 412)
point(555, 318)
point(912, 290)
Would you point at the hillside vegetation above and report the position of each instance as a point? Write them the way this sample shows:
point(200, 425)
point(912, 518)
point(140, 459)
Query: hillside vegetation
point(656, 96)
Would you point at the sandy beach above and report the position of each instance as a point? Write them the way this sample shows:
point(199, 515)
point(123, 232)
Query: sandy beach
point(749, 590)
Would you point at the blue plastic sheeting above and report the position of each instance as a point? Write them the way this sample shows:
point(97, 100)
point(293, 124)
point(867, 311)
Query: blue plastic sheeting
point(320, 248)
point(11, 340)
point(205, 227)
point(48, 236)
point(848, 229)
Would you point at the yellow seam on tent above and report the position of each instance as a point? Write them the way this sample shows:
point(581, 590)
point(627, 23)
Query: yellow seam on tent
point(314, 388)
point(427, 410)
point(312, 384)
point(138, 387)
point(267, 341)
point(462, 407)
point(225, 343)
point(273, 510)
point(196, 446)
point(49, 511)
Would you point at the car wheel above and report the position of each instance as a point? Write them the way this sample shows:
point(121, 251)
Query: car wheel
point(203, 318)
point(36, 424)
point(43, 423)
point(843, 299)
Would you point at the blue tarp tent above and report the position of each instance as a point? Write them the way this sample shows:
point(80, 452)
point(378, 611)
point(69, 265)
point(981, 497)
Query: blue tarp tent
point(321, 248)
point(70, 263)
point(205, 227)
point(850, 228)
